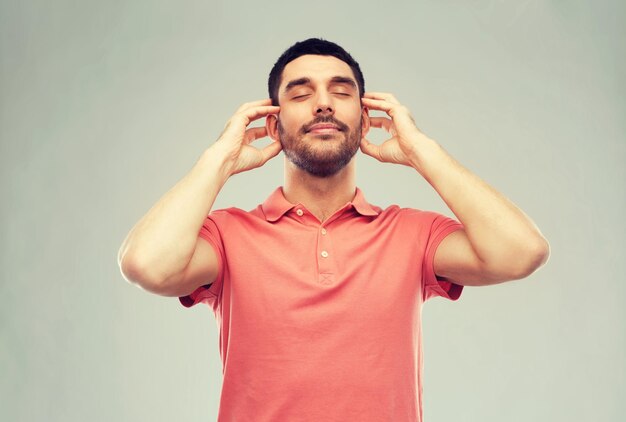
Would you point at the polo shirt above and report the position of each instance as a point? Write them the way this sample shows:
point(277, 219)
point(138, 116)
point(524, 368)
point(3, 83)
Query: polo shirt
point(322, 321)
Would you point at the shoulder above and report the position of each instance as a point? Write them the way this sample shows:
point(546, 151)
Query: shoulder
point(233, 215)
point(413, 222)
point(409, 215)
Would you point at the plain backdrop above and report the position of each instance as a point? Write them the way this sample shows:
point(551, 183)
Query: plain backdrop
point(106, 105)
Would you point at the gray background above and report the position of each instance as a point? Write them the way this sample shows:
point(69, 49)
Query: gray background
point(106, 105)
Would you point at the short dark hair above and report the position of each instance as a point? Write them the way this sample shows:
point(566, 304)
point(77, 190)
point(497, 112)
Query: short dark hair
point(317, 46)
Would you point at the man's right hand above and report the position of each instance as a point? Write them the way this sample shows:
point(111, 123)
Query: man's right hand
point(235, 140)
point(163, 253)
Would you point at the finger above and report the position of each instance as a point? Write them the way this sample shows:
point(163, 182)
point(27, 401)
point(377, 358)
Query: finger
point(381, 96)
point(247, 105)
point(391, 109)
point(370, 149)
point(256, 112)
point(382, 105)
point(254, 133)
point(382, 122)
point(271, 151)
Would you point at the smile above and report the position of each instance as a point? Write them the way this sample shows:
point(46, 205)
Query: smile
point(323, 130)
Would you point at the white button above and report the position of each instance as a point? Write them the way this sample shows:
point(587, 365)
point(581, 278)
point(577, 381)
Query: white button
point(323, 230)
point(299, 212)
point(324, 254)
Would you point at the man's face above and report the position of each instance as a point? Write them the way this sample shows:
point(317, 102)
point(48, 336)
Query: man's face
point(320, 121)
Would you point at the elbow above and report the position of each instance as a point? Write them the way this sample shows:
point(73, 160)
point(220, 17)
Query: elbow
point(516, 264)
point(536, 257)
point(137, 274)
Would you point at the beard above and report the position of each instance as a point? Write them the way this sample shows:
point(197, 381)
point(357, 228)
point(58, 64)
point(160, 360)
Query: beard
point(325, 156)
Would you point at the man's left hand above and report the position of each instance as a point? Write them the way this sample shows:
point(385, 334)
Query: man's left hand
point(402, 147)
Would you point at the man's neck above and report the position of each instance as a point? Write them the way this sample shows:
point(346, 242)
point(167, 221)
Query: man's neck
point(322, 196)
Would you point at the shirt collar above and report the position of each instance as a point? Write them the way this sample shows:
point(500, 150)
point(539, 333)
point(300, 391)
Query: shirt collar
point(276, 205)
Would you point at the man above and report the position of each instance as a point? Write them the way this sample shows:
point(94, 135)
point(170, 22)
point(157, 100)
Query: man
point(318, 293)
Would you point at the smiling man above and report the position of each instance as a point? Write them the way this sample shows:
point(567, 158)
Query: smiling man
point(321, 159)
point(317, 292)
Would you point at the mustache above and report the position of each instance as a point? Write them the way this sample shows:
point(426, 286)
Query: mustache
point(324, 119)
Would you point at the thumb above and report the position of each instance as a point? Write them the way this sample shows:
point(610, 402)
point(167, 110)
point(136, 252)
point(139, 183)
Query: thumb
point(370, 149)
point(271, 151)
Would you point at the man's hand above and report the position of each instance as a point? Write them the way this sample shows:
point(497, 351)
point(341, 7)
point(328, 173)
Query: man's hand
point(235, 140)
point(498, 242)
point(401, 148)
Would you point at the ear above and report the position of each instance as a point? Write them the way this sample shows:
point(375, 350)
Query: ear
point(271, 125)
point(365, 121)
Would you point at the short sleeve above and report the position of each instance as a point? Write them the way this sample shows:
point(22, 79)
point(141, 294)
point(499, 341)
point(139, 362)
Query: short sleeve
point(432, 285)
point(209, 293)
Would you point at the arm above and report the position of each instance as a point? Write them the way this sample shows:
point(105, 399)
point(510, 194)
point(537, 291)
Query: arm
point(499, 242)
point(163, 253)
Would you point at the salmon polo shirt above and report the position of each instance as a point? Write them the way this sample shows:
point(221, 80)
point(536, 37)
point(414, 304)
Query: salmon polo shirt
point(322, 321)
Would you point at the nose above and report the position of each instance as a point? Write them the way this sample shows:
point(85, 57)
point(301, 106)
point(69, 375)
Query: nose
point(324, 105)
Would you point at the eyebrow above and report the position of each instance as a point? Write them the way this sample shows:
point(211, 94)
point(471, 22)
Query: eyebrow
point(306, 81)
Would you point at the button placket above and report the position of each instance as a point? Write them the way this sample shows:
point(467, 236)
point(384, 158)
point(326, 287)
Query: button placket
point(326, 260)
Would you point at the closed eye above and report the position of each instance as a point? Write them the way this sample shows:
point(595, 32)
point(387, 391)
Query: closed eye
point(336, 93)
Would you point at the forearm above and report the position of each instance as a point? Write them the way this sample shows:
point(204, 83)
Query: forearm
point(497, 229)
point(162, 243)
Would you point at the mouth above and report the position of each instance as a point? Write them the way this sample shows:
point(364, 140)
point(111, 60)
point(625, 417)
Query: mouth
point(324, 128)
